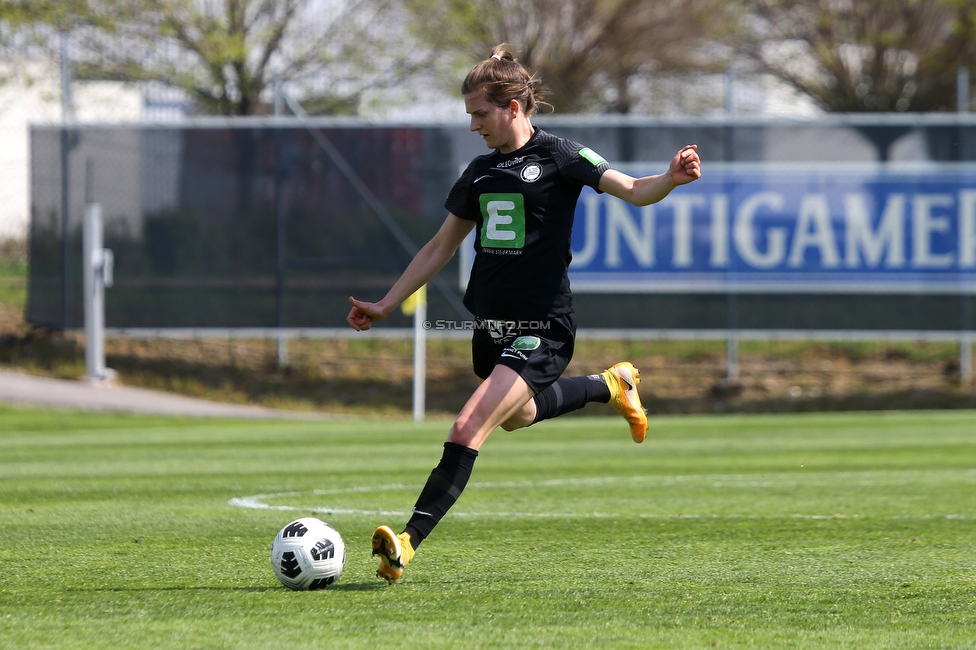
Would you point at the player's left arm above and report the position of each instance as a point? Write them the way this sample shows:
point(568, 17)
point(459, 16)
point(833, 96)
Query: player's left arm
point(685, 167)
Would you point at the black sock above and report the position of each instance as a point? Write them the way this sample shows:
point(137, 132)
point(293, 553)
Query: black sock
point(443, 488)
point(570, 394)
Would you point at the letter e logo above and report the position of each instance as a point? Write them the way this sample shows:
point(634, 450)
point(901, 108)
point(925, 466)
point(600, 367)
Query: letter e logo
point(504, 221)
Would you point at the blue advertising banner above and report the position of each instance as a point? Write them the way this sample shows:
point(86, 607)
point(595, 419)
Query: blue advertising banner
point(783, 228)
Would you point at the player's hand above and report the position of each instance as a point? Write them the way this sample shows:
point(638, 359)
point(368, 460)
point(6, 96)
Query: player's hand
point(685, 166)
point(362, 314)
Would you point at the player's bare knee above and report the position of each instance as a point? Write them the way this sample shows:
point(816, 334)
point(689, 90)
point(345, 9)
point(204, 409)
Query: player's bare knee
point(464, 430)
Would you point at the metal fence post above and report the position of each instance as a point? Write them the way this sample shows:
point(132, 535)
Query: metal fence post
point(66, 146)
point(280, 230)
point(97, 271)
point(732, 357)
point(965, 358)
point(731, 297)
point(420, 356)
point(962, 89)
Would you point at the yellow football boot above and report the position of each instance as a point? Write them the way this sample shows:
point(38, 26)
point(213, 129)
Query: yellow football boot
point(622, 380)
point(394, 551)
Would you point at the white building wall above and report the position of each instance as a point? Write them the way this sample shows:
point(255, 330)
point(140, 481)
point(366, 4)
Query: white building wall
point(31, 94)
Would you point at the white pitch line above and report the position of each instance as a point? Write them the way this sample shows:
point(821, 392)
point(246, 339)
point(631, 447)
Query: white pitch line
point(257, 501)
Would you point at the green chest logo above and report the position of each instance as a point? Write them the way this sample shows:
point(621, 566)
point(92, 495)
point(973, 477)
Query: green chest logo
point(504, 220)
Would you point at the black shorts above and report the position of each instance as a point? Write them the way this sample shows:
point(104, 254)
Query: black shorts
point(538, 350)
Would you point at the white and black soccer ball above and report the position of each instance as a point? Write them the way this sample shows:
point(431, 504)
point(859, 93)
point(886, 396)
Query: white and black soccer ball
point(308, 554)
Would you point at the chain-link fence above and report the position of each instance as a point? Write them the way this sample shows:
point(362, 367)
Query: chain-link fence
point(273, 224)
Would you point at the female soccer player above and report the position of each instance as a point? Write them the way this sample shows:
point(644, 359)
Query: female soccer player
point(521, 197)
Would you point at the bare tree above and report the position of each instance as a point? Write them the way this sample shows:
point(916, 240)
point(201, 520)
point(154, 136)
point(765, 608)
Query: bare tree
point(587, 52)
point(867, 55)
point(62, 14)
point(225, 53)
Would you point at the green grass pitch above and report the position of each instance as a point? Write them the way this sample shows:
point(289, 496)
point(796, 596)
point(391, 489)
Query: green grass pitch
point(807, 531)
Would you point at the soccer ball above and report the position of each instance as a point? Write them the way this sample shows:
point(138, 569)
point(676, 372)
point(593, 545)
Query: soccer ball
point(308, 554)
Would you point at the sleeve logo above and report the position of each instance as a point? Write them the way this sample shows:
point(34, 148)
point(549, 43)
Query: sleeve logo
point(504, 221)
point(594, 158)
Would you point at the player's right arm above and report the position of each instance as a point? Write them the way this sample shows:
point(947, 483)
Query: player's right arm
point(685, 167)
point(425, 264)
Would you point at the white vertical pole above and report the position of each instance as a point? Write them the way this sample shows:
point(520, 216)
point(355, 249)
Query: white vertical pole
point(420, 356)
point(97, 274)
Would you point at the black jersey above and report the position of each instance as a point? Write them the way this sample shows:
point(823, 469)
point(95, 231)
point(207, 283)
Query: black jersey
point(523, 204)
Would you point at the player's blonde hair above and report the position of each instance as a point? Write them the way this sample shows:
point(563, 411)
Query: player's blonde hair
point(503, 79)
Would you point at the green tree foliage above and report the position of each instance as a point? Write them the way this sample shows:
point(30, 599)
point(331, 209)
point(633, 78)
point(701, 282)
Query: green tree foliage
point(868, 55)
point(587, 52)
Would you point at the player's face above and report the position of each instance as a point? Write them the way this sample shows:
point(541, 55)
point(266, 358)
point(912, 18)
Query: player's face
point(493, 123)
